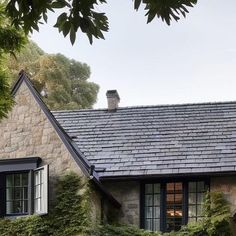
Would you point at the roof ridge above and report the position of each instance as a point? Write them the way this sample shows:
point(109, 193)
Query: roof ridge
point(149, 106)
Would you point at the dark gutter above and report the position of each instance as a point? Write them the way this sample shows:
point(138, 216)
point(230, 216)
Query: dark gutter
point(161, 176)
point(75, 152)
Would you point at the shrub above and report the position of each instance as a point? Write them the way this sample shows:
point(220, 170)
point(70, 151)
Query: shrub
point(70, 216)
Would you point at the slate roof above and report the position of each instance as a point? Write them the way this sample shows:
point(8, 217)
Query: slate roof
point(156, 140)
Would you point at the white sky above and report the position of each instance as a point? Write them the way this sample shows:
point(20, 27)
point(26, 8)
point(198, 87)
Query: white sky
point(193, 60)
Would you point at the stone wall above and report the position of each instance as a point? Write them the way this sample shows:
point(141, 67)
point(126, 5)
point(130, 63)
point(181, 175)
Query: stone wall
point(28, 133)
point(226, 185)
point(128, 194)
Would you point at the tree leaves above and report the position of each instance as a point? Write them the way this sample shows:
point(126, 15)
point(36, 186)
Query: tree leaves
point(64, 82)
point(165, 9)
point(81, 14)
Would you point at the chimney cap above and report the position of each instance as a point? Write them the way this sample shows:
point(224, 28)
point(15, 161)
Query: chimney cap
point(113, 99)
point(112, 93)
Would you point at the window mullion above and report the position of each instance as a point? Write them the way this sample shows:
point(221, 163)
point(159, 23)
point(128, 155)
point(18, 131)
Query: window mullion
point(31, 193)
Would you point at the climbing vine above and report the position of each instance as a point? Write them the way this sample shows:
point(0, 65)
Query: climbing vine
point(71, 216)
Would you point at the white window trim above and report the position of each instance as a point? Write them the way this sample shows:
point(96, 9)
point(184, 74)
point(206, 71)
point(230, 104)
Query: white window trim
point(45, 171)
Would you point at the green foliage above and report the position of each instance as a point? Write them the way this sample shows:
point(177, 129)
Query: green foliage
point(81, 14)
point(166, 10)
point(6, 100)
point(71, 216)
point(121, 230)
point(215, 223)
point(64, 81)
point(11, 41)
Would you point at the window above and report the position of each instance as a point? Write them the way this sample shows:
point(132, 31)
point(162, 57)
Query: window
point(17, 193)
point(196, 191)
point(169, 205)
point(24, 192)
point(174, 206)
point(152, 206)
point(41, 190)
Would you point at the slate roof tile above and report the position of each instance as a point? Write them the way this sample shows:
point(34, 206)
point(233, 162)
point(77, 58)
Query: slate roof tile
point(155, 140)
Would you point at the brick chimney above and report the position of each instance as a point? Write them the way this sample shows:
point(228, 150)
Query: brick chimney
point(113, 99)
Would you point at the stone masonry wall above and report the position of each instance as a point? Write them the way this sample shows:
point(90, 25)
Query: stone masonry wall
point(28, 133)
point(128, 194)
point(226, 185)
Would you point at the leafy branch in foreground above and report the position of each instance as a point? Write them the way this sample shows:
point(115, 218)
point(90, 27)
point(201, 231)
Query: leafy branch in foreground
point(81, 14)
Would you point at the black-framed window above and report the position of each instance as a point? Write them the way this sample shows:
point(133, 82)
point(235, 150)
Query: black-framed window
point(167, 205)
point(152, 206)
point(174, 206)
point(17, 193)
point(23, 187)
point(196, 192)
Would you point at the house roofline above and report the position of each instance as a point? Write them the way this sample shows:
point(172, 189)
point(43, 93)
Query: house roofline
point(162, 176)
point(71, 146)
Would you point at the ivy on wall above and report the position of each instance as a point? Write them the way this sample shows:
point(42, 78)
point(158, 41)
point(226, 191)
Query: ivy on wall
point(71, 216)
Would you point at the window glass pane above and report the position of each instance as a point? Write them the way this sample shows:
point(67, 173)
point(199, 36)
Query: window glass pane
point(25, 180)
point(148, 188)
point(192, 187)
point(170, 199)
point(9, 180)
point(25, 207)
point(156, 212)
point(152, 207)
point(9, 194)
point(192, 198)
point(17, 180)
point(200, 198)
point(148, 212)
point(157, 188)
point(200, 186)
point(170, 187)
point(25, 192)
point(157, 199)
point(178, 198)
point(149, 200)
point(148, 224)
point(199, 210)
point(178, 211)
point(196, 199)
point(192, 210)
point(178, 187)
point(156, 225)
point(17, 193)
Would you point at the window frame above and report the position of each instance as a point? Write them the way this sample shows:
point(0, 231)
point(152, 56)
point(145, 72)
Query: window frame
point(163, 183)
point(28, 165)
point(45, 188)
point(4, 191)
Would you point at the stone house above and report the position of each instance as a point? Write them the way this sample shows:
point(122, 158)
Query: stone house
point(152, 163)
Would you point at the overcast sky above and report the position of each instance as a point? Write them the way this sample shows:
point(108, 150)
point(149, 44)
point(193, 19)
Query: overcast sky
point(193, 60)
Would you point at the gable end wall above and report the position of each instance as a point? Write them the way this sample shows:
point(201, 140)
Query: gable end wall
point(28, 133)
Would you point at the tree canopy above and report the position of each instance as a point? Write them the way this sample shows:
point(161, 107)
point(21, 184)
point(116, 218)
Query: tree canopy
point(83, 15)
point(62, 82)
point(11, 41)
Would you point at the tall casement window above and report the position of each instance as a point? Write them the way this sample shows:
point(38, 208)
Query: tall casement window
point(23, 187)
point(166, 206)
point(17, 193)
